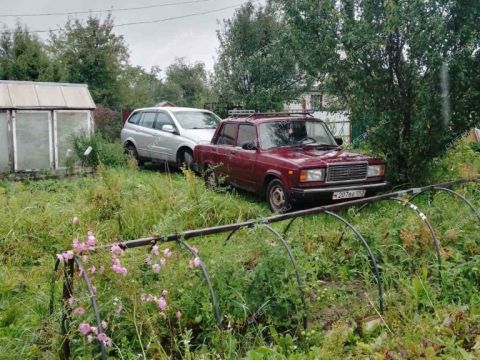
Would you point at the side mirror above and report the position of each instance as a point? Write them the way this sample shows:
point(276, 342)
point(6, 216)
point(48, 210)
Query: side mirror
point(339, 141)
point(249, 145)
point(168, 128)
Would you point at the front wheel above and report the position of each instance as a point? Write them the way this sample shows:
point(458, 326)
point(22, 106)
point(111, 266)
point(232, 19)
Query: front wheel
point(277, 197)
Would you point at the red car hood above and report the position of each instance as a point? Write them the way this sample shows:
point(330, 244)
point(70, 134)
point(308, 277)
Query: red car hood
point(306, 157)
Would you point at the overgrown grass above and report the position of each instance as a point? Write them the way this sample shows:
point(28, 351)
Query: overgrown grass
point(253, 278)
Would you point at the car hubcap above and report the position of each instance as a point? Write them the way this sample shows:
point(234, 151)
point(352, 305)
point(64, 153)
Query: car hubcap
point(277, 197)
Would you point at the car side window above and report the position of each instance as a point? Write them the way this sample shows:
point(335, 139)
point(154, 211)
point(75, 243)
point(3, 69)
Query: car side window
point(135, 118)
point(227, 135)
point(246, 134)
point(163, 119)
point(148, 119)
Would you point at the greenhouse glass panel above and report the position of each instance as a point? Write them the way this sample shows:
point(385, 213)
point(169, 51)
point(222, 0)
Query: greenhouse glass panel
point(4, 143)
point(33, 142)
point(69, 124)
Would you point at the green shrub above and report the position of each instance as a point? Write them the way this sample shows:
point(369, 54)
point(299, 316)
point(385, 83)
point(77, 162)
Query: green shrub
point(103, 151)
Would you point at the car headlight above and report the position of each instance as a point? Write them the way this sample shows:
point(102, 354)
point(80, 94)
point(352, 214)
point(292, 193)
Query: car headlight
point(312, 175)
point(376, 170)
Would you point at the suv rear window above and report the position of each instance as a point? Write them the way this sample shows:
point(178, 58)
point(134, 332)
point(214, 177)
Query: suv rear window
point(135, 118)
point(227, 135)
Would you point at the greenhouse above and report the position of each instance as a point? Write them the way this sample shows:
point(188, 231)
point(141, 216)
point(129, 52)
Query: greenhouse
point(38, 122)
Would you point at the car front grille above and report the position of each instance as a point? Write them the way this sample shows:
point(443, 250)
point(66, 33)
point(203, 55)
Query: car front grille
point(346, 172)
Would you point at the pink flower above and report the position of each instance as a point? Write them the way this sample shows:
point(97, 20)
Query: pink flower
point(118, 268)
point(79, 310)
point(92, 269)
point(74, 220)
point(102, 337)
point(71, 300)
point(84, 328)
point(178, 314)
point(116, 250)
point(94, 329)
point(104, 324)
point(118, 310)
point(143, 297)
point(195, 250)
point(68, 255)
point(156, 268)
point(195, 263)
point(148, 260)
point(162, 304)
point(149, 298)
point(91, 242)
point(89, 232)
point(59, 257)
point(167, 253)
point(155, 249)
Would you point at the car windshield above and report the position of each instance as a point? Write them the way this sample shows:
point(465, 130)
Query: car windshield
point(197, 119)
point(294, 133)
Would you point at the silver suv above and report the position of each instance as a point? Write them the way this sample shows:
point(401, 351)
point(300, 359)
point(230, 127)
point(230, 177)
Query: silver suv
point(167, 134)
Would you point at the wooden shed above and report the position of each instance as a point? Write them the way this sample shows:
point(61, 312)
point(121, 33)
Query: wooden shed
point(38, 121)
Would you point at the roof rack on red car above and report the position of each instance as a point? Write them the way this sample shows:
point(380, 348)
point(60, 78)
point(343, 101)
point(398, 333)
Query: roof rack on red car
point(287, 113)
point(251, 113)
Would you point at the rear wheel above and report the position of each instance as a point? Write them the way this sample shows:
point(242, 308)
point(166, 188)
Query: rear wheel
point(131, 151)
point(211, 180)
point(277, 197)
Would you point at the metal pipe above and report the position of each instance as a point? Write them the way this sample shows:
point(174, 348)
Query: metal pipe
point(91, 294)
point(297, 272)
point(277, 218)
point(373, 261)
point(213, 295)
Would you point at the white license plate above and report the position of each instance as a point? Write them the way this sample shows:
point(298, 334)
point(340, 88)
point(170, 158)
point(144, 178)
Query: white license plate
point(348, 194)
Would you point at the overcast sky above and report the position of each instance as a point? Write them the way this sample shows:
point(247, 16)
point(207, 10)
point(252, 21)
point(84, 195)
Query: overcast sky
point(150, 44)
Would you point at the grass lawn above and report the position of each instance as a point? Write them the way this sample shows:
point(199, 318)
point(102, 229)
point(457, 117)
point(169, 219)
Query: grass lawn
point(251, 274)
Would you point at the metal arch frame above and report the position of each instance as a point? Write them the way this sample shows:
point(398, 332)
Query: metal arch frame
point(423, 218)
point(373, 261)
point(287, 248)
point(93, 298)
point(452, 192)
point(213, 295)
point(66, 309)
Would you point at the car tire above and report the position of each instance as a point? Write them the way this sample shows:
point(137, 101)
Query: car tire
point(186, 160)
point(277, 197)
point(211, 180)
point(131, 151)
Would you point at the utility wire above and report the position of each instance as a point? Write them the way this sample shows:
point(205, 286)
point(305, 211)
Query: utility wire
point(144, 22)
point(105, 10)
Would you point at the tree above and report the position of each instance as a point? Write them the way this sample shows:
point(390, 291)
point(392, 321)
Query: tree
point(23, 57)
point(409, 71)
point(185, 84)
point(91, 53)
point(139, 87)
point(256, 67)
